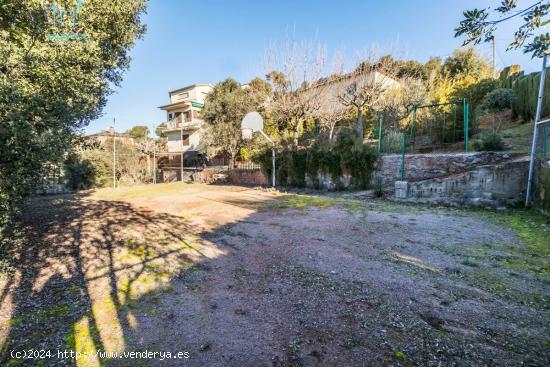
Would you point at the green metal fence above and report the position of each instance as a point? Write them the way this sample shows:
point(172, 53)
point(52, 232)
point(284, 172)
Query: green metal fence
point(434, 128)
point(545, 132)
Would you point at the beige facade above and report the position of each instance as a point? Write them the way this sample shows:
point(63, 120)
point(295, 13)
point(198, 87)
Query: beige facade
point(183, 119)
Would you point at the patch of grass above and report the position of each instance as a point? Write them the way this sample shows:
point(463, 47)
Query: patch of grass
point(519, 137)
point(399, 354)
point(296, 201)
point(140, 251)
point(490, 282)
point(350, 343)
point(40, 315)
point(142, 191)
point(533, 230)
point(305, 201)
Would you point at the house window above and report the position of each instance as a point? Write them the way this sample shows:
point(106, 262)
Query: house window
point(169, 116)
point(187, 115)
point(185, 140)
point(184, 95)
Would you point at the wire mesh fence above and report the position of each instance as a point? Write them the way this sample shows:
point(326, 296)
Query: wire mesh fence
point(545, 143)
point(435, 128)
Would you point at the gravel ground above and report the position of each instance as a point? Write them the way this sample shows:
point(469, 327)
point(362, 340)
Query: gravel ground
point(243, 277)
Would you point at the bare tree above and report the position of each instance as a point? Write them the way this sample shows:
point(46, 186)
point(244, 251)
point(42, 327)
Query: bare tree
point(331, 116)
point(147, 148)
point(365, 87)
point(292, 69)
point(398, 103)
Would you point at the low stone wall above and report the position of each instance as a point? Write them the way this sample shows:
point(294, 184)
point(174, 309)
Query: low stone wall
point(487, 186)
point(210, 175)
point(213, 175)
point(541, 198)
point(420, 167)
point(53, 189)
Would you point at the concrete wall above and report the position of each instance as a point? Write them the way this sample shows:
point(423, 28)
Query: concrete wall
point(488, 186)
point(425, 166)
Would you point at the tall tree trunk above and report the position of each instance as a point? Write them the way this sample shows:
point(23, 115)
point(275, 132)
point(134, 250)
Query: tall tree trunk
point(232, 154)
point(331, 132)
point(296, 131)
point(360, 123)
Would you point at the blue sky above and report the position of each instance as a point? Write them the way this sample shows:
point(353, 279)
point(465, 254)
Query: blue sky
point(207, 41)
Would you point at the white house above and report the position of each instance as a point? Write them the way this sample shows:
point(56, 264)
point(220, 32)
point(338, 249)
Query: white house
point(183, 118)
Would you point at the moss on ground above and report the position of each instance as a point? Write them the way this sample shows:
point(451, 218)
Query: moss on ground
point(533, 230)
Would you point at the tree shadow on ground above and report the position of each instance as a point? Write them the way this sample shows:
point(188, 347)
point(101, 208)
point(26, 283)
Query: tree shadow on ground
point(83, 270)
point(278, 286)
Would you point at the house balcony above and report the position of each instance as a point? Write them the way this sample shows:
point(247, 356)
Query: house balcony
point(182, 122)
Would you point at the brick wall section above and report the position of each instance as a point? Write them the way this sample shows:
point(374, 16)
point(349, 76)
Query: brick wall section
point(244, 177)
point(425, 166)
point(247, 177)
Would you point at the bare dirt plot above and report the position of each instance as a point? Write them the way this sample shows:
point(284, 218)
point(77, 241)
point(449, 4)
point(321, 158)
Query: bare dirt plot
point(242, 277)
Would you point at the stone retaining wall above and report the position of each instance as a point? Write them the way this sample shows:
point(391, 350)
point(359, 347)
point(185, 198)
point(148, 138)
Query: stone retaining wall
point(420, 167)
point(487, 186)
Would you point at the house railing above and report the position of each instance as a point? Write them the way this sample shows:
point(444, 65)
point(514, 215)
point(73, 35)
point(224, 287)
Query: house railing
point(183, 122)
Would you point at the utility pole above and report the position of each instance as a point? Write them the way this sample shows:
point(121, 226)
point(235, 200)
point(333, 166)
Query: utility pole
point(494, 57)
point(154, 162)
point(181, 157)
point(535, 130)
point(114, 154)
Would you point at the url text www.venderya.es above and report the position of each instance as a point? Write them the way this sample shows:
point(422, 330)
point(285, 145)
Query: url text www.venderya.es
point(101, 354)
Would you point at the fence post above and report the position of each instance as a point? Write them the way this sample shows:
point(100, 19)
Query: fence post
point(413, 128)
point(379, 148)
point(466, 124)
point(403, 144)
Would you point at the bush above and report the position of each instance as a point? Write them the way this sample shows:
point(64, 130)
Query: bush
point(378, 186)
point(392, 141)
point(345, 155)
point(489, 141)
point(79, 173)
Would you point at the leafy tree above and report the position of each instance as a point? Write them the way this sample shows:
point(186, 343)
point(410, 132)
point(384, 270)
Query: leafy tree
point(457, 77)
point(476, 26)
point(160, 129)
point(138, 132)
point(79, 173)
point(261, 86)
point(498, 100)
point(50, 88)
point(490, 141)
point(367, 85)
point(466, 64)
point(223, 111)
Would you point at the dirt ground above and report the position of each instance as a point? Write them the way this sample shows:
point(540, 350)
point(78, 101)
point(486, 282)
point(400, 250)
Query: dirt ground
point(244, 277)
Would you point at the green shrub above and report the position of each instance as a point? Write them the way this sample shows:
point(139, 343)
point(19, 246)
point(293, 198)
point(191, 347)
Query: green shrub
point(79, 173)
point(345, 155)
point(392, 141)
point(378, 186)
point(489, 141)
